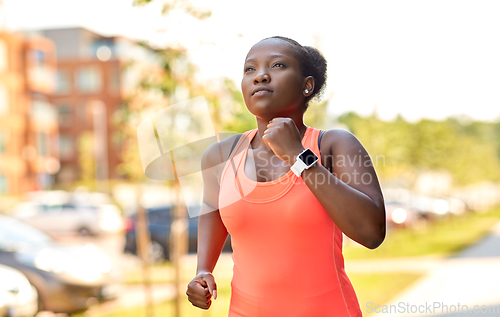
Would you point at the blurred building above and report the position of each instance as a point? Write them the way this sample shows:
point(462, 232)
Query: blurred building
point(28, 122)
point(94, 72)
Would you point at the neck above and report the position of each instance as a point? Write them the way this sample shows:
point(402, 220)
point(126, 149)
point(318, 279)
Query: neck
point(262, 126)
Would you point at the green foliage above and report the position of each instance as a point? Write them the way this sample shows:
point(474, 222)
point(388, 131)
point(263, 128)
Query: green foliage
point(166, 83)
point(316, 115)
point(442, 237)
point(159, 85)
point(377, 288)
point(232, 112)
point(182, 5)
point(469, 151)
point(380, 288)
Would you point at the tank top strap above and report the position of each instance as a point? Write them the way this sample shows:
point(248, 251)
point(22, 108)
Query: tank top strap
point(312, 141)
point(235, 158)
point(243, 141)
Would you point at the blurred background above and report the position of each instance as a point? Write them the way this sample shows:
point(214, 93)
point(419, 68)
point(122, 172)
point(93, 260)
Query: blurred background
point(83, 232)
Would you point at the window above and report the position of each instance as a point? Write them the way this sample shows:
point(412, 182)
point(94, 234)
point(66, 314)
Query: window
point(38, 69)
point(3, 184)
point(42, 144)
point(103, 49)
point(38, 58)
point(159, 218)
point(4, 100)
point(42, 110)
point(88, 79)
point(64, 115)
point(50, 209)
point(63, 85)
point(66, 146)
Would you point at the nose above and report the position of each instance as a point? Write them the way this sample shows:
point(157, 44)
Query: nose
point(262, 77)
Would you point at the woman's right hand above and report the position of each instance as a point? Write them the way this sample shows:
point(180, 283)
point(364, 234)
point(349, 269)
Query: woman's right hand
point(201, 289)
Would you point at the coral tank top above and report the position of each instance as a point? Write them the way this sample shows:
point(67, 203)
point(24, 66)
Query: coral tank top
point(287, 251)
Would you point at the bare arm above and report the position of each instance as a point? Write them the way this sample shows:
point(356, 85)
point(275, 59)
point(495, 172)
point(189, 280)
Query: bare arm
point(212, 233)
point(349, 189)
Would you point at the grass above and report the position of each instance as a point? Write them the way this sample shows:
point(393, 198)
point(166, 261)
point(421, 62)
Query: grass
point(441, 237)
point(378, 288)
point(160, 274)
point(374, 288)
point(219, 307)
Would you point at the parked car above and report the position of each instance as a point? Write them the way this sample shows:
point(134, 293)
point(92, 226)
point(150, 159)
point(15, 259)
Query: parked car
point(424, 206)
point(68, 278)
point(159, 221)
point(62, 212)
point(400, 214)
point(18, 298)
point(432, 207)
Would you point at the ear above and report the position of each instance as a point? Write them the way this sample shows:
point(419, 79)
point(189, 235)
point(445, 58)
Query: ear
point(308, 86)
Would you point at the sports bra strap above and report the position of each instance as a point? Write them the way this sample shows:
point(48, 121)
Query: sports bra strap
point(321, 132)
point(234, 144)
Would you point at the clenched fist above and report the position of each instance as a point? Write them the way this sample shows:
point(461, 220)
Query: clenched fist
point(283, 137)
point(201, 289)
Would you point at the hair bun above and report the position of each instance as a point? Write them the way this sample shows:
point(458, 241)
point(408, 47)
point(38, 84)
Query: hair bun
point(320, 67)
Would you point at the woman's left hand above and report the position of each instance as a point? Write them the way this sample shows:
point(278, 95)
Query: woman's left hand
point(283, 137)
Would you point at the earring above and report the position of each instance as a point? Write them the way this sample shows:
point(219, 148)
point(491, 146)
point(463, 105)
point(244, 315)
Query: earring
point(306, 91)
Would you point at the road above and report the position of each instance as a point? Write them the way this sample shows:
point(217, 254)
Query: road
point(465, 285)
point(134, 295)
point(451, 287)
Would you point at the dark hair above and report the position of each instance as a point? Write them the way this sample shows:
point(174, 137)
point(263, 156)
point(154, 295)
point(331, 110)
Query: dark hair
point(312, 63)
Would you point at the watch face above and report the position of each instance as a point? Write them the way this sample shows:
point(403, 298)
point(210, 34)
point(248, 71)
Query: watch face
point(308, 157)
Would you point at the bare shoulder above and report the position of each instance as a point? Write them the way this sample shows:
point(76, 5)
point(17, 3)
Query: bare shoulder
point(337, 141)
point(218, 152)
point(350, 161)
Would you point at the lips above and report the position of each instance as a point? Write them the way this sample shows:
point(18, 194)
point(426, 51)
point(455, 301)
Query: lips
point(261, 91)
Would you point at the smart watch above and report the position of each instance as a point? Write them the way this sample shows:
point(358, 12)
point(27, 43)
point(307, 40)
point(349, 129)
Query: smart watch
point(304, 161)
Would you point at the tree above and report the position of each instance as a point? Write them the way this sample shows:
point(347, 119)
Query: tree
point(317, 116)
point(466, 150)
point(161, 84)
point(181, 5)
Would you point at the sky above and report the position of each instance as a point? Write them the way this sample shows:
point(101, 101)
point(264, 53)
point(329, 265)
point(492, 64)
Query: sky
point(419, 59)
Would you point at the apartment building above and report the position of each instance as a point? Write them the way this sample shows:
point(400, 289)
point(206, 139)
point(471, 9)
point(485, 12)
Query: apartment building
point(93, 76)
point(29, 155)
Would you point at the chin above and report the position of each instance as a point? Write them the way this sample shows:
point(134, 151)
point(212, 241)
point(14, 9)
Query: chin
point(261, 110)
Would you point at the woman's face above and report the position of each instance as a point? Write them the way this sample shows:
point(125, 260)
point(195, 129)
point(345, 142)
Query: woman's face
point(272, 83)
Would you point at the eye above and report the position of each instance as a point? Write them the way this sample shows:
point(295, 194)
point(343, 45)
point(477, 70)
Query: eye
point(279, 64)
point(248, 68)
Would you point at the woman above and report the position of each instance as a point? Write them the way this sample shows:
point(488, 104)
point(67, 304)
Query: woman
point(284, 201)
